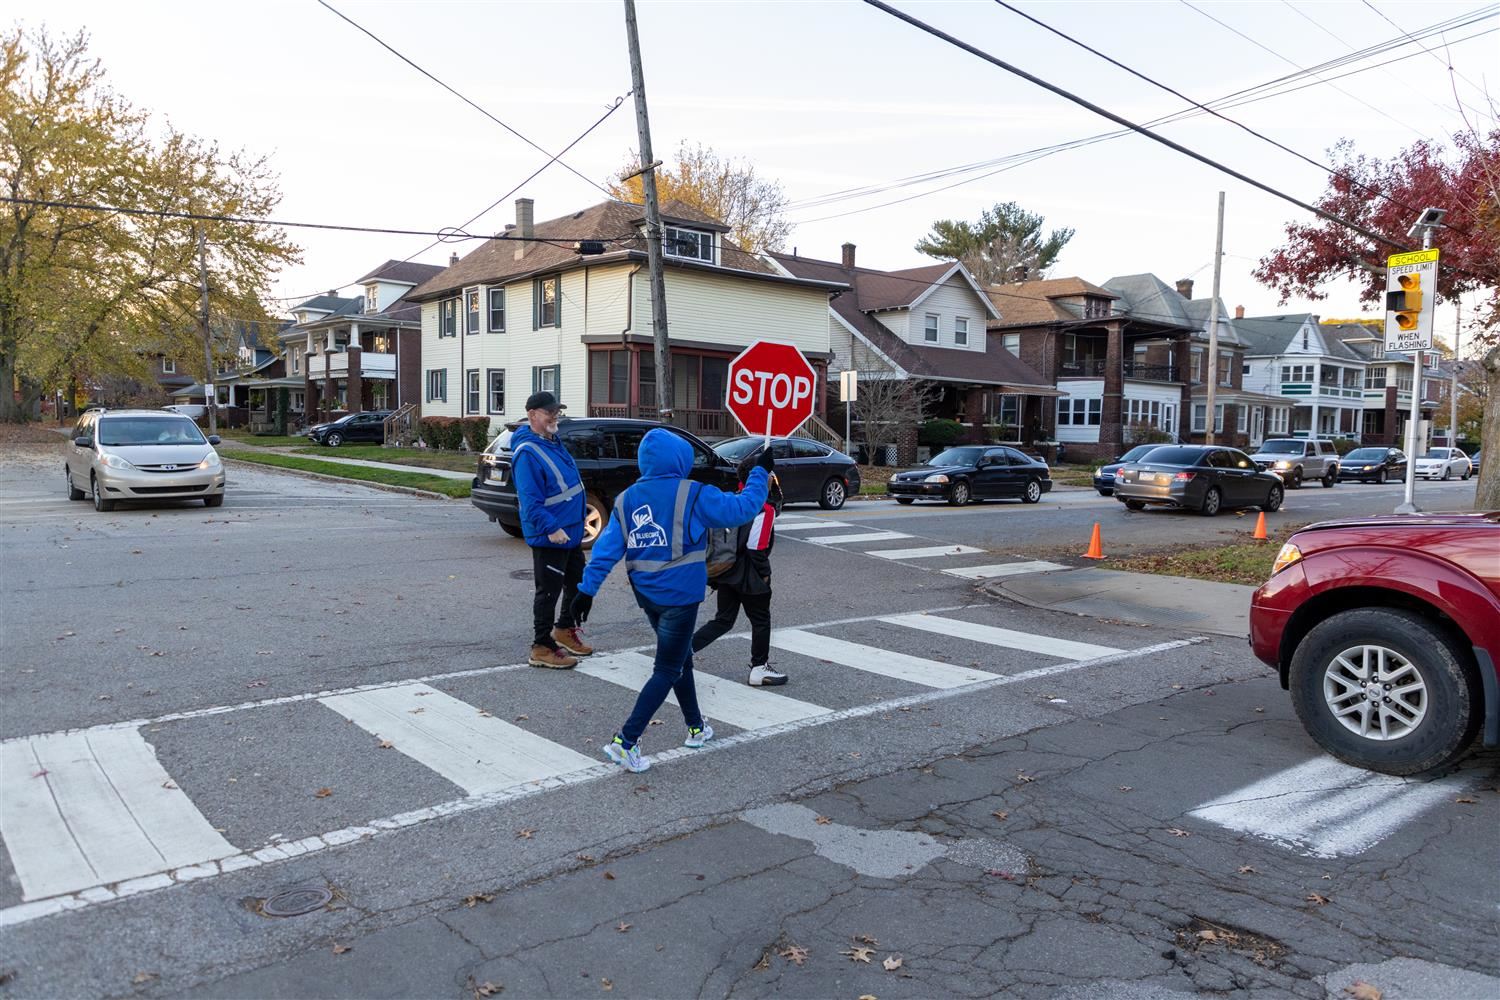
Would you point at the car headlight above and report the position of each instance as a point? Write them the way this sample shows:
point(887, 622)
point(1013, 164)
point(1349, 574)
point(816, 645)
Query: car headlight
point(1367, 468)
point(1289, 554)
point(116, 462)
point(936, 478)
point(210, 461)
point(1283, 464)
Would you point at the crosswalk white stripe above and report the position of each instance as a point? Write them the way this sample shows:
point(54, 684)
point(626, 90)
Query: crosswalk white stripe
point(926, 552)
point(726, 701)
point(1003, 569)
point(83, 809)
point(1326, 808)
point(477, 753)
point(805, 525)
point(866, 536)
point(887, 663)
point(955, 628)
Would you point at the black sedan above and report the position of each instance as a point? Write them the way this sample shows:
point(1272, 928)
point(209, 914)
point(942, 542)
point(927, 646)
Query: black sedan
point(1373, 465)
point(973, 472)
point(368, 426)
point(1104, 476)
point(1205, 478)
point(808, 471)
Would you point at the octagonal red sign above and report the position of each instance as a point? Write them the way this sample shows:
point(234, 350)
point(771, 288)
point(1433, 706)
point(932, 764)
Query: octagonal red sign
point(771, 388)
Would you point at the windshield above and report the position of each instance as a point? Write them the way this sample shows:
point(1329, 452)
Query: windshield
point(125, 431)
point(1139, 452)
point(1365, 455)
point(1281, 448)
point(738, 448)
point(1439, 453)
point(1175, 456)
point(957, 456)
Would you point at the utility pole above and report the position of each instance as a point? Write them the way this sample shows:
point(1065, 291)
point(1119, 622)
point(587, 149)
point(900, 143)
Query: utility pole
point(664, 392)
point(1213, 331)
point(209, 393)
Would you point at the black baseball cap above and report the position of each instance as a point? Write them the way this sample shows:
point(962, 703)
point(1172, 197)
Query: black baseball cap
point(543, 401)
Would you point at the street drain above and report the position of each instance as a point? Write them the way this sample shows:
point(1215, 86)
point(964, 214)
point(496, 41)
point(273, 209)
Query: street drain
point(295, 902)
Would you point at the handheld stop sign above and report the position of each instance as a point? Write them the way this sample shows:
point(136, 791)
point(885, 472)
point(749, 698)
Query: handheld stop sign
point(771, 389)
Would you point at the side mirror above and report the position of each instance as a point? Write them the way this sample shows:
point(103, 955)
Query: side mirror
point(214, 439)
point(82, 442)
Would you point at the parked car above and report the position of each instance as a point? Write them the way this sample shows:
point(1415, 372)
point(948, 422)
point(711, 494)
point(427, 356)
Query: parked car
point(1475, 459)
point(1386, 631)
point(1296, 460)
point(1373, 465)
point(1104, 476)
point(1444, 463)
point(808, 471)
point(367, 426)
point(973, 472)
point(190, 410)
point(1205, 478)
point(605, 450)
point(142, 455)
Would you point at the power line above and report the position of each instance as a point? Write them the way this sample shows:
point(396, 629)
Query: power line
point(1434, 55)
point(393, 51)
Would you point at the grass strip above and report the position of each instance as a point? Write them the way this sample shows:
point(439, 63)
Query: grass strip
point(1247, 563)
point(241, 436)
point(422, 458)
point(456, 488)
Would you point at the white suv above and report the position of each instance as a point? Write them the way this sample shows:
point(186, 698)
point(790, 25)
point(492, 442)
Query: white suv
point(142, 455)
point(1297, 460)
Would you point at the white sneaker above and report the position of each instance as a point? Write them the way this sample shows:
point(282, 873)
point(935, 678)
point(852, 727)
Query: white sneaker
point(628, 758)
point(697, 737)
point(764, 676)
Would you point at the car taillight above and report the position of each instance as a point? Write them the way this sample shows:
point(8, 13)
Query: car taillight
point(1289, 554)
point(1183, 477)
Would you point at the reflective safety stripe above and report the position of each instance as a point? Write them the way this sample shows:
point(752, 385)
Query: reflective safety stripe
point(679, 528)
point(568, 493)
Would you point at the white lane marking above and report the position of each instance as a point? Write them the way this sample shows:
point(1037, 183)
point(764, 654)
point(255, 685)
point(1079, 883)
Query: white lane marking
point(22, 913)
point(727, 701)
point(954, 628)
point(863, 536)
point(1326, 808)
point(926, 552)
point(1003, 569)
point(887, 663)
point(805, 525)
point(477, 753)
point(88, 809)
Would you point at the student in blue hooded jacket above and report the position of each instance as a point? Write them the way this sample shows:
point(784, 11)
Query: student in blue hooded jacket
point(660, 526)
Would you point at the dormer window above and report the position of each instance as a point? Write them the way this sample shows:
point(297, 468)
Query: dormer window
point(372, 298)
point(1094, 306)
point(690, 244)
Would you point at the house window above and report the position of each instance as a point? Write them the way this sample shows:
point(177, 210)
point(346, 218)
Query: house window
point(497, 390)
point(1225, 363)
point(448, 318)
point(372, 298)
point(471, 391)
point(1009, 411)
point(1012, 343)
point(437, 385)
point(609, 376)
point(1200, 411)
point(1093, 307)
point(497, 310)
point(1304, 340)
point(1296, 373)
point(380, 395)
point(545, 311)
point(295, 357)
point(380, 343)
point(1199, 363)
point(930, 330)
point(471, 310)
point(168, 366)
point(545, 379)
point(691, 244)
point(1377, 350)
point(961, 330)
point(1079, 412)
point(297, 401)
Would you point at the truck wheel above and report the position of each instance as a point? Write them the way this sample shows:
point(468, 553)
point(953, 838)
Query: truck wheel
point(1385, 689)
point(1329, 478)
point(1296, 480)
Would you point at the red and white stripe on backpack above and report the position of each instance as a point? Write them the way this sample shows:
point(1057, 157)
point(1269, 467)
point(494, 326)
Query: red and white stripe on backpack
point(760, 529)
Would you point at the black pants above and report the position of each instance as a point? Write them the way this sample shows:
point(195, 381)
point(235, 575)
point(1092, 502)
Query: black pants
point(555, 571)
point(757, 609)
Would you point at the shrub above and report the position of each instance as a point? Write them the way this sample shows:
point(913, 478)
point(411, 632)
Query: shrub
point(1344, 446)
point(442, 432)
point(1143, 432)
point(476, 432)
point(940, 433)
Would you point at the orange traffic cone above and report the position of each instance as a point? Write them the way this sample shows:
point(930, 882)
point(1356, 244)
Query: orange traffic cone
point(1260, 528)
point(1096, 550)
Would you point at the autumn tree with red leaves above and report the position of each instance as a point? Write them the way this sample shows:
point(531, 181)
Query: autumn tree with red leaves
point(1385, 196)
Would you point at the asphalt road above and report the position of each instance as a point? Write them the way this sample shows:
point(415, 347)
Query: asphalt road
point(1008, 800)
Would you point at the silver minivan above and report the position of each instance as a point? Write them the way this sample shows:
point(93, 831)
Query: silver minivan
point(142, 455)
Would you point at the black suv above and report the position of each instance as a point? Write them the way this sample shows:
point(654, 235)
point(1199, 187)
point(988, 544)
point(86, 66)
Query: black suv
point(366, 426)
point(604, 449)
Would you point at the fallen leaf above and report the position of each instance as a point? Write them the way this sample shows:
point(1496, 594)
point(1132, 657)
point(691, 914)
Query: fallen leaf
point(1176, 687)
point(256, 684)
point(867, 939)
point(656, 722)
point(1178, 833)
point(794, 954)
point(1260, 709)
point(606, 984)
point(1361, 990)
point(858, 954)
point(520, 718)
point(486, 713)
point(42, 773)
point(1316, 898)
point(474, 899)
point(323, 793)
point(146, 977)
point(524, 834)
point(587, 859)
point(168, 785)
point(339, 949)
point(622, 927)
point(997, 873)
point(1465, 800)
point(822, 821)
point(868, 996)
point(610, 876)
point(1208, 935)
point(1023, 778)
point(1001, 815)
point(892, 963)
point(486, 989)
point(416, 711)
point(1247, 870)
point(1127, 788)
point(385, 745)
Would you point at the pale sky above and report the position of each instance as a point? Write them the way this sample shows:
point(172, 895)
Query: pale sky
point(822, 96)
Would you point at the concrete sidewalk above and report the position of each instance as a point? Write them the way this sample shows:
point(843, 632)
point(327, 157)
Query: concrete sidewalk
point(1199, 605)
point(230, 445)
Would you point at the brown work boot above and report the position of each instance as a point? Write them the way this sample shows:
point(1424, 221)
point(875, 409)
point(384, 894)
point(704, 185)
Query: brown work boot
point(571, 640)
point(546, 656)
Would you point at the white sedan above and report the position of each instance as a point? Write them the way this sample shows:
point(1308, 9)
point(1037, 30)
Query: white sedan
point(1444, 463)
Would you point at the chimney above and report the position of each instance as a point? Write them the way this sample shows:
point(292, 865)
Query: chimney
point(452, 259)
point(1239, 312)
point(848, 255)
point(1185, 287)
point(523, 223)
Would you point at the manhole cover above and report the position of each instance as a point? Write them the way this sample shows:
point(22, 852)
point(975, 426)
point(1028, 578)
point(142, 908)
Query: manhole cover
point(520, 574)
point(295, 902)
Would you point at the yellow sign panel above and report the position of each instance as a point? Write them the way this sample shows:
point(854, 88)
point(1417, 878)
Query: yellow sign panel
point(1414, 257)
point(1410, 292)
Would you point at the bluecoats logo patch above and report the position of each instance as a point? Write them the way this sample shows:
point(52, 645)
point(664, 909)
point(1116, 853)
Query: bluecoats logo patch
point(646, 532)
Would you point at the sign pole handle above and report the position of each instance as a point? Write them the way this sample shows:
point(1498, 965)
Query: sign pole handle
point(769, 415)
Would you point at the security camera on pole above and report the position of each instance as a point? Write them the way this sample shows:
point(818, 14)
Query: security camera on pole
point(1410, 297)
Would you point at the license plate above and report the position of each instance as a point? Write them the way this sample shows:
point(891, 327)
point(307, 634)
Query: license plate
point(497, 476)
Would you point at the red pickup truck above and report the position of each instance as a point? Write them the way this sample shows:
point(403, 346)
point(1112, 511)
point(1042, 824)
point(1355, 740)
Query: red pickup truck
point(1386, 631)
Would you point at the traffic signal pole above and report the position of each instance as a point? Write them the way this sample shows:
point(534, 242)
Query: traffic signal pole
point(1212, 379)
point(1408, 504)
point(664, 393)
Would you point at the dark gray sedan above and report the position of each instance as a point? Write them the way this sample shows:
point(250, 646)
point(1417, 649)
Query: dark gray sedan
point(1205, 478)
point(808, 471)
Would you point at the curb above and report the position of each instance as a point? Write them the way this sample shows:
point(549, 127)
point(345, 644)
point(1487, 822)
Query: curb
point(322, 477)
point(1128, 613)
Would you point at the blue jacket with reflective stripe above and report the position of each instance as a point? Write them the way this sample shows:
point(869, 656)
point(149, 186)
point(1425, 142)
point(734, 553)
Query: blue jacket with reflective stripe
point(660, 524)
point(548, 487)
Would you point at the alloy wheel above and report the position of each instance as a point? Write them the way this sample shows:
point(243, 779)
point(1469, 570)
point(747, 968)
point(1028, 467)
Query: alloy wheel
point(1033, 491)
point(1375, 692)
point(833, 494)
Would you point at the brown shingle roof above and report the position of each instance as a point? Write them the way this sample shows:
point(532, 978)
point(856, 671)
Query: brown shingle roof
point(1027, 303)
point(403, 271)
point(615, 223)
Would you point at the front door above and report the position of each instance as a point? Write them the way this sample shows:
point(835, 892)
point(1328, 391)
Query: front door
point(993, 474)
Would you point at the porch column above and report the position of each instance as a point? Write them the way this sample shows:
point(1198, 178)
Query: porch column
point(1182, 363)
point(1312, 426)
point(356, 381)
point(974, 414)
point(309, 399)
point(329, 396)
point(1111, 434)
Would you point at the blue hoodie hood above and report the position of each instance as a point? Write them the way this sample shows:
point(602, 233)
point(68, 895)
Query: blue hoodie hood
point(663, 453)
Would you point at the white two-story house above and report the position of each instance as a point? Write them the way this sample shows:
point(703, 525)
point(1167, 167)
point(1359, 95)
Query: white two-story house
point(565, 305)
point(1294, 357)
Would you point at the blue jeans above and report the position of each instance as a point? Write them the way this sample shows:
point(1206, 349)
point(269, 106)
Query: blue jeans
point(673, 671)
